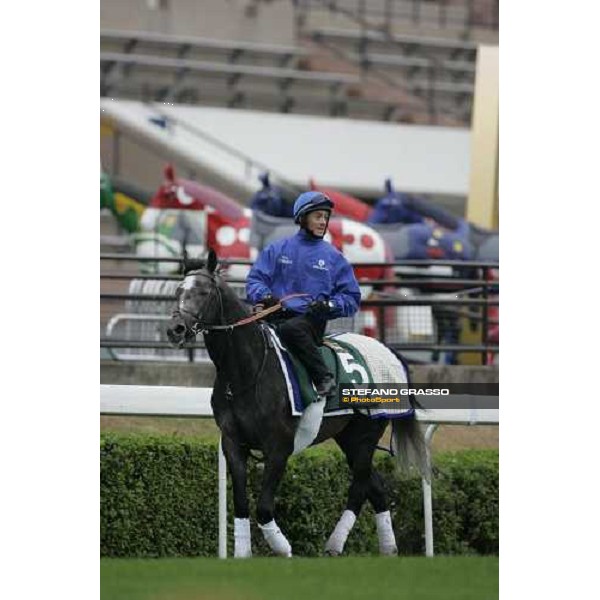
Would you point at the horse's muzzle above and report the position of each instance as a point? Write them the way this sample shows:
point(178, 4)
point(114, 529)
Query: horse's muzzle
point(178, 333)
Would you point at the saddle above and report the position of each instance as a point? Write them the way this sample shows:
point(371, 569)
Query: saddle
point(354, 360)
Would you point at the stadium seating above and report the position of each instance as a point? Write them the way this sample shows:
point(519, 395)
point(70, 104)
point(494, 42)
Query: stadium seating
point(367, 67)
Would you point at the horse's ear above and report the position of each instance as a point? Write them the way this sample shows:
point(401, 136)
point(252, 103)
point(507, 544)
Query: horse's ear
point(185, 261)
point(211, 262)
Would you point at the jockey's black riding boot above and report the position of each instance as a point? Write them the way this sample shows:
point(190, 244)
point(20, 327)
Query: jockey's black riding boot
point(302, 334)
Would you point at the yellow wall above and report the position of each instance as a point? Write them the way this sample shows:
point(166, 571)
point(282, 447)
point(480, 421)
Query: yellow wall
point(482, 205)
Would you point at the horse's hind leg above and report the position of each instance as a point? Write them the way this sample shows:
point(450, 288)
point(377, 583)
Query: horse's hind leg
point(237, 460)
point(358, 441)
point(275, 464)
point(383, 519)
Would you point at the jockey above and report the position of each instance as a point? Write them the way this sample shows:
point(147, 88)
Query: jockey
point(306, 264)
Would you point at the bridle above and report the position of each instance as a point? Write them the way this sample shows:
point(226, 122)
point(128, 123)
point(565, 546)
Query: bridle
point(198, 327)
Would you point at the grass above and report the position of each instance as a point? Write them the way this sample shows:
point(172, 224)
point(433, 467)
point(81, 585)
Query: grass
point(447, 438)
point(204, 428)
point(348, 578)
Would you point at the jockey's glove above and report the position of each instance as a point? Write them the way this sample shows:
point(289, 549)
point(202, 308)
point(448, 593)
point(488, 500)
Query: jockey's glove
point(269, 301)
point(320, 307)
point(266, 302)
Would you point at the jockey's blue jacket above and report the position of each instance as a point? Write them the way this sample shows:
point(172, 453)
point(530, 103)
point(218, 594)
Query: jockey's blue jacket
point(303, 264)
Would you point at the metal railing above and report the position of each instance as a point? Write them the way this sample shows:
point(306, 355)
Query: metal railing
point(457, 15)
point(444, 83)
point(167, 68)
point(438, 73)
point(429, 318)
point(182, 45)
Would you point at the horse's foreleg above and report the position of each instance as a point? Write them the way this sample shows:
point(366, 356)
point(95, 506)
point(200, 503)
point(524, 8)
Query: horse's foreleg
point(274, 470)
point(237, 458)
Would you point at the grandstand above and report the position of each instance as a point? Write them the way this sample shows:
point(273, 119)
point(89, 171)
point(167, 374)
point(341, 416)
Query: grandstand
point(388, 60)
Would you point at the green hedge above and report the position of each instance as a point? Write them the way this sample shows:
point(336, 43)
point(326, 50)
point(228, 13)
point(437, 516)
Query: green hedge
point(159, 498)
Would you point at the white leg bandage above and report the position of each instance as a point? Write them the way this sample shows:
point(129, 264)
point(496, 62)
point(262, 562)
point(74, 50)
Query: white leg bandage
point(242, 538)
point(276, 540)
point(385, 533)
point(336, 541)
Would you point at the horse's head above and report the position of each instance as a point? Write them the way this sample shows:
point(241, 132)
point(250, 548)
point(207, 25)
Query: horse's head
point(199, 301)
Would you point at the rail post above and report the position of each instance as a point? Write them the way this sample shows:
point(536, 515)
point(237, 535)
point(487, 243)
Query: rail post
point(485, 317)
point(222, 476)
point(427, 498)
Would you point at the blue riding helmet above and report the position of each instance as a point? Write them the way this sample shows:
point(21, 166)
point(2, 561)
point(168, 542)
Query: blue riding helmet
point(309, 202)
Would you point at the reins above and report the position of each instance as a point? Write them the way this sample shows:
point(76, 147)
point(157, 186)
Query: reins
point(198, 328)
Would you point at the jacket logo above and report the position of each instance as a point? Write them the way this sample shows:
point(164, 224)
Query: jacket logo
point(285, 260)
point(320, 265)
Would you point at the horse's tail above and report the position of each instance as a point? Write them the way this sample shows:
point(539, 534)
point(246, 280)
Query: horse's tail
point(409, 446)
point(408, 440)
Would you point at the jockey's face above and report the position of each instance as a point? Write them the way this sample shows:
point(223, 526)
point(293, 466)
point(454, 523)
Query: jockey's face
point(316, 222)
